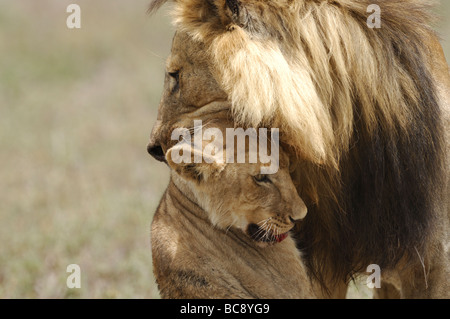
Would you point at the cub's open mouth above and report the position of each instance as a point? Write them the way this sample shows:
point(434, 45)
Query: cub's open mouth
point(262, 235)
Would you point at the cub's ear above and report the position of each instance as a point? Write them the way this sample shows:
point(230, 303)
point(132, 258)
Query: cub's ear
point(186, 167)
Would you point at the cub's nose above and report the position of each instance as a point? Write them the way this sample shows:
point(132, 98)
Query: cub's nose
point(298, 211)
point(156, 152)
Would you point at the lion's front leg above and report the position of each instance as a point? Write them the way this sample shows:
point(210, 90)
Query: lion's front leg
point(422, 278)
point(428, 280)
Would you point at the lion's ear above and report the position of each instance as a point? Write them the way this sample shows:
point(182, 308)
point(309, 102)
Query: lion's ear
point(235, 9)
point(234, 12)
point(187, 168)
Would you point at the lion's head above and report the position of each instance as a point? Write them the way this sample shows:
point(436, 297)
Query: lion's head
point(292, 65)
point(236, 194)
point(190, 91)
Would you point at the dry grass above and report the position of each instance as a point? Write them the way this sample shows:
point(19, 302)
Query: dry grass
point(77, 185)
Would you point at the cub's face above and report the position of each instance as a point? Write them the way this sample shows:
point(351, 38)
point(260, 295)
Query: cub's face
point(237, 195)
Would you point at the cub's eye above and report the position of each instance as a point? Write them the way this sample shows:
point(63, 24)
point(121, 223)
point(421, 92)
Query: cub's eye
point(262, 178)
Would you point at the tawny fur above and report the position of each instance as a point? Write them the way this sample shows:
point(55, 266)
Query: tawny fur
point(200, 244)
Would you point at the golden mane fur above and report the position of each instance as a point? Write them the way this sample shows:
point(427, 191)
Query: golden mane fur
point(296, 69)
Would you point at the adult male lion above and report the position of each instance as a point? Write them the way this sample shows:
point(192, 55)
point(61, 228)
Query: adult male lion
point(366, 112)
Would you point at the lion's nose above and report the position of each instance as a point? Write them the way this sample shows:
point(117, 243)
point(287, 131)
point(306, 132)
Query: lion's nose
point(154, 146)
point(156, 151)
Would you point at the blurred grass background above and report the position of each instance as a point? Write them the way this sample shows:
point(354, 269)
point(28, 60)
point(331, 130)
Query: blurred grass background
point(76, 110)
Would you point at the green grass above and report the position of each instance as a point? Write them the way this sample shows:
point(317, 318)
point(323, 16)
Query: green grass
point(76, 110)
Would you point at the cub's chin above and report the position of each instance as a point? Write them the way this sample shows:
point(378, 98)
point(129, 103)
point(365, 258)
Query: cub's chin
point(263, 237)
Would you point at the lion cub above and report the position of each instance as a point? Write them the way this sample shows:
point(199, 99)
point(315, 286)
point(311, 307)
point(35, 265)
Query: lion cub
point(222, 231)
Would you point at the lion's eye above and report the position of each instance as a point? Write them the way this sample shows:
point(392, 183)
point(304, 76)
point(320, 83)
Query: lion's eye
point(176, 76)
point(262, 178)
